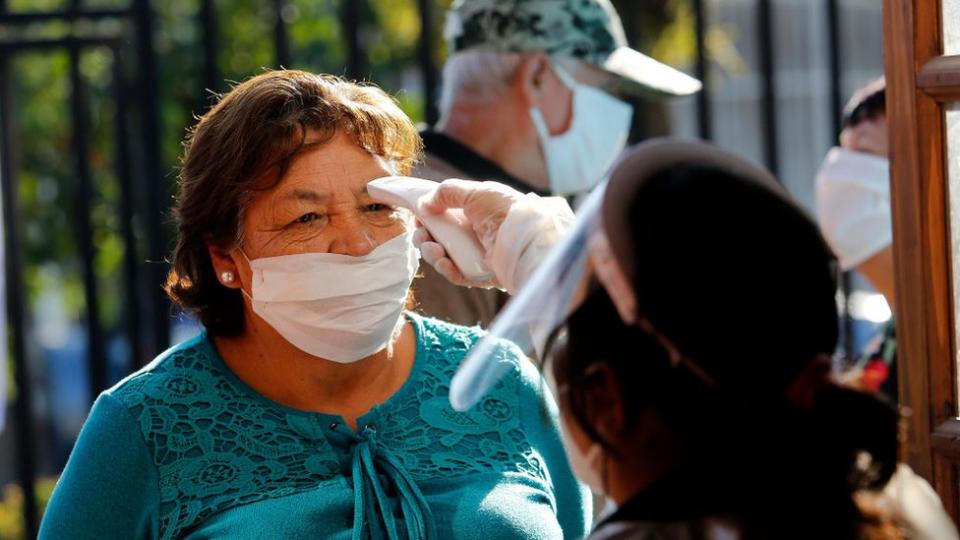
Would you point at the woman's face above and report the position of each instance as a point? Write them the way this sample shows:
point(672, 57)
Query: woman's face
point(322, 206)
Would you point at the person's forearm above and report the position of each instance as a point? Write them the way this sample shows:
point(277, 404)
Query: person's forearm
point(532, 227)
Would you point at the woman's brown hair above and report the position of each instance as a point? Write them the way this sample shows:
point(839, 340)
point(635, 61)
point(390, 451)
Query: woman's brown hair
point(245, 144)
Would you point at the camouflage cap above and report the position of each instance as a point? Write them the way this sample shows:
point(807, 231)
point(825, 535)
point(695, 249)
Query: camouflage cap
point(586, 30)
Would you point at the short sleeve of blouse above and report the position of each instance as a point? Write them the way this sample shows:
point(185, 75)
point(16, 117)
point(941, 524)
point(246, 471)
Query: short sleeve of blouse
point(109, 487)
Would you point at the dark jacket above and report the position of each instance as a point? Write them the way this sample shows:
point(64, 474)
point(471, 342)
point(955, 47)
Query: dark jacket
point(435, 296)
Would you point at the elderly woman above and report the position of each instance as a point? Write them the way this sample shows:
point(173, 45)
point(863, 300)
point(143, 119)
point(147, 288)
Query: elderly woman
point(312, 405)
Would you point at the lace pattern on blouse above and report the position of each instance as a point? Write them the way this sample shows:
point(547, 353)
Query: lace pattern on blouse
point(216, 446)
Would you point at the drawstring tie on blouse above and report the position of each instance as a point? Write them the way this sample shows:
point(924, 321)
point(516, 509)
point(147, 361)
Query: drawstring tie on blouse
point(370, 460)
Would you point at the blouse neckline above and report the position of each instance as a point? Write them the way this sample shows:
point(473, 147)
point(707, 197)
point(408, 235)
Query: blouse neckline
point(420, 356)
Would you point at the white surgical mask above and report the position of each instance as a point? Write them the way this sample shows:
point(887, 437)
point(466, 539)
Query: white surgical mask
point(587, 465)
point(578, 158)
point(333, 306)
point(853, 205)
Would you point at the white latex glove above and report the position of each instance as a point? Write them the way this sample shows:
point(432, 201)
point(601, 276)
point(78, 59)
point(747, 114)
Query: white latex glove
point(911, 498)
point(434, 255)
point(516, 230)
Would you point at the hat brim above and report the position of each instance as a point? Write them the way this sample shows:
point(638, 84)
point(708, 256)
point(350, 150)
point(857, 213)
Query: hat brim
point(643, 73)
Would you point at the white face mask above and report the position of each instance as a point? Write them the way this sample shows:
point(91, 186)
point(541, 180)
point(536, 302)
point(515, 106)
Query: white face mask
point(333, 306)
point(587, 466)
point(853, 205)
point(578, 158)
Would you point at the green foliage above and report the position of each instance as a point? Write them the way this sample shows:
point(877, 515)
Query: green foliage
point(36, 5)
point(106, 3)
point(246, 38)
point(316, 39)
point(665, 30)
point(47, 180)
point(11, 507)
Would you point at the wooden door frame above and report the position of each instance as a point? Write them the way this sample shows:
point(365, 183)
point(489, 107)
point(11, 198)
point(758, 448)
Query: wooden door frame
point(918, 79)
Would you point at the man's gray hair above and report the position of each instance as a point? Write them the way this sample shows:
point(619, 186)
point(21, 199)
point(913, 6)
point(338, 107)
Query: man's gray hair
point(476, 77)
point(480, 77)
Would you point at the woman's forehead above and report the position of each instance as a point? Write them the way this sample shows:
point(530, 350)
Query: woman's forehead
point(330, 169)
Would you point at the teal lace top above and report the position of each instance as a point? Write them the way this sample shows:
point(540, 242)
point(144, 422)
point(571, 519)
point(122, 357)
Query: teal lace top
point(185, 449)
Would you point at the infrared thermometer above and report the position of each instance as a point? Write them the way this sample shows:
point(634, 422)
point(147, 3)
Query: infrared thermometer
point(450, 229)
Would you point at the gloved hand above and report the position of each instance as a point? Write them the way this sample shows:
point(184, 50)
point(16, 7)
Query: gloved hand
point(485, 204)
point(434, 254)
point(516, 230)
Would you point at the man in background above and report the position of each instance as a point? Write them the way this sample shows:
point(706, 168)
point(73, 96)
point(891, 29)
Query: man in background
point(529, 100)
point(853, 208)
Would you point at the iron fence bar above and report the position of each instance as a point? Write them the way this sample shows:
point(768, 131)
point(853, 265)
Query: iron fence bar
point(209, 37)
point(82, 198)
point(131, 260)
point(769, 91)
point(157, 193)
point(351, 32)
point(280, 39)
point(428, 65)
point(25, 446)
point(704, 110)
point(834, 64)
point(70, 15)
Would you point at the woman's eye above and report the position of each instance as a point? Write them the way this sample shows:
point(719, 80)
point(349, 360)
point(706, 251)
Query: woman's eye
point(308, 217)
point(377, 207)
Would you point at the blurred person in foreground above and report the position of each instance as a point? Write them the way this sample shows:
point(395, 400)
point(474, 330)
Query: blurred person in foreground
point(853, 209)
point(530, 99)
point(701, 404)
point(312, 405)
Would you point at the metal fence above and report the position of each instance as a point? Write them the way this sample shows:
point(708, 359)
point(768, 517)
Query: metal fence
point(137, 312)
point(144, 185)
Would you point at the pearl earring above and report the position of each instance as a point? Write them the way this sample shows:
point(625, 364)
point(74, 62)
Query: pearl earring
point(226, 277)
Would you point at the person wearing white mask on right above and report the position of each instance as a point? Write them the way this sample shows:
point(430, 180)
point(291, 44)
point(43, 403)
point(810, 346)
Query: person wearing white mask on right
point(853, 191)
point(532, 97)
point(853, 210)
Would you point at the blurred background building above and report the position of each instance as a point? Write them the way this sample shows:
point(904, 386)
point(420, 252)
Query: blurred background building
point(95, 97)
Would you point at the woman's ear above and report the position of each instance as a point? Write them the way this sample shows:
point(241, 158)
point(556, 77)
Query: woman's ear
point(224, 267)
point(529, 79)
point(603, 403)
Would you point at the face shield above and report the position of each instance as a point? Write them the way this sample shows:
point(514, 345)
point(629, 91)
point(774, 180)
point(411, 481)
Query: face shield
point(554, 291)
point(600, 247)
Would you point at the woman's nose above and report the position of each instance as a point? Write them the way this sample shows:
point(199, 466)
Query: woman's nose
point(354, 239)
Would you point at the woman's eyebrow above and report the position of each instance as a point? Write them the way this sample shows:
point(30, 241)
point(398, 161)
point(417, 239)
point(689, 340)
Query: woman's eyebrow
point(306, 195)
